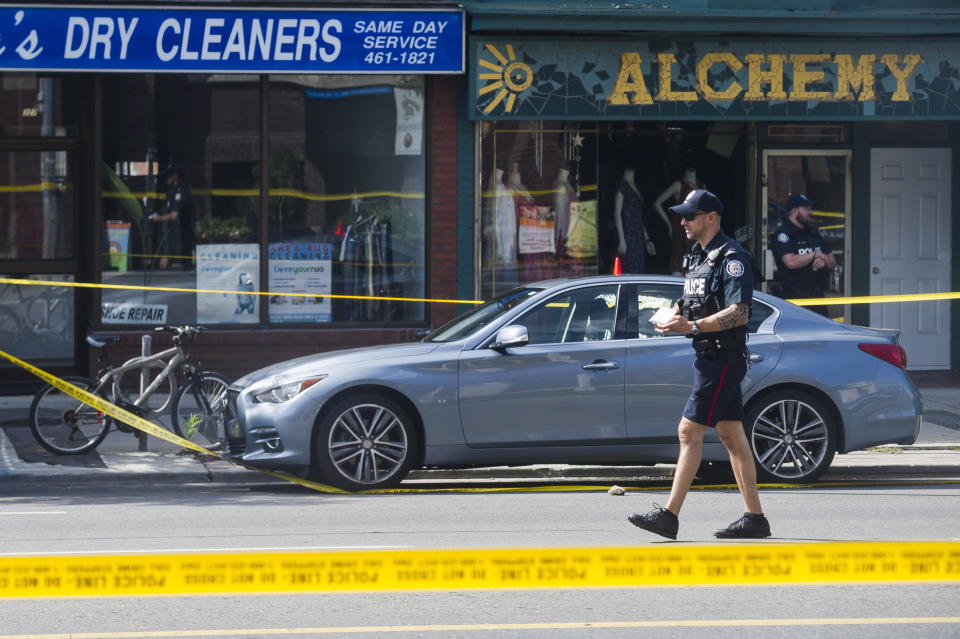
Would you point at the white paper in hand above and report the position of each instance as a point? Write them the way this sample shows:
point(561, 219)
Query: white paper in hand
point(662, 316)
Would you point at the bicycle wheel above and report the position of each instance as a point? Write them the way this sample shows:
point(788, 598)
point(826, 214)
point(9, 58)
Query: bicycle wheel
point(159, 399)
point(197, 411)
point(65, 425)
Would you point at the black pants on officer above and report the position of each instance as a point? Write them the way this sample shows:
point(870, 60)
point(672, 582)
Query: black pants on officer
point(716, 394)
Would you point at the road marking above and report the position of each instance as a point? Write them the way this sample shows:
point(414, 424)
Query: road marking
point(190, 550)
point(37, 512)
point(582, 625)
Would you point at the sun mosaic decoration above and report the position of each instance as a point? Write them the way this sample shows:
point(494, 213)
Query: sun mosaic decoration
point(509, 78)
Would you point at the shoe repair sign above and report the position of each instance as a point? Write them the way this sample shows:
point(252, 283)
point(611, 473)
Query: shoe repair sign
point(230, 40)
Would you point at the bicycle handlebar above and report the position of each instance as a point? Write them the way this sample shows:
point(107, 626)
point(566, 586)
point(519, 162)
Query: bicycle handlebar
point(179, 330)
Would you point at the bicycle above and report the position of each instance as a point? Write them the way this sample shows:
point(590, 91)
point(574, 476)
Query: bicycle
point(66, 426)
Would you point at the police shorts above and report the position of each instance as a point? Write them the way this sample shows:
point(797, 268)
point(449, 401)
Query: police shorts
point(716, 394)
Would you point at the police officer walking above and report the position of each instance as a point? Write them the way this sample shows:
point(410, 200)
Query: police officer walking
point(803, 258)
point(713, 312)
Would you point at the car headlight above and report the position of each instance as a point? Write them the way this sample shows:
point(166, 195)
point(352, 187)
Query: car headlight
point(285, 391)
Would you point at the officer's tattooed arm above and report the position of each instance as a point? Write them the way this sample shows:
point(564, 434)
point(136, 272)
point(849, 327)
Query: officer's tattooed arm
point(730, 317)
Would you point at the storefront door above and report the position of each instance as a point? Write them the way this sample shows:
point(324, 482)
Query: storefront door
point(38, 206)
point(910, 248)
point(824, 176)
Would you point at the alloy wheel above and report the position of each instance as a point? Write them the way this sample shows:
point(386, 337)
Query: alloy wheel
point(368, 443)
point(790, 439)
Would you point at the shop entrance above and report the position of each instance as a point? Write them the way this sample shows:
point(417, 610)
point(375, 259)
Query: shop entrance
point(824, 176)
point(38, 213)
point(910, 248)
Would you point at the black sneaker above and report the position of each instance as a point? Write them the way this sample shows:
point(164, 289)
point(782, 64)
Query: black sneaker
point(659, 521)
point(746, 527)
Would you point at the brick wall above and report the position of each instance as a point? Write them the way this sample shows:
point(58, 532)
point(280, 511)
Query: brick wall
point(442, 178)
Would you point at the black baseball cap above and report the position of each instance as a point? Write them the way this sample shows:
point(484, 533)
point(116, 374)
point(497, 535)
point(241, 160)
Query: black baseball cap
point(699, 200)
point(798, 199)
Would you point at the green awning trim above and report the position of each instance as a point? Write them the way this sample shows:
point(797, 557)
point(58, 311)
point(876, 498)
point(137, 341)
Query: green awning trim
point(815, 17)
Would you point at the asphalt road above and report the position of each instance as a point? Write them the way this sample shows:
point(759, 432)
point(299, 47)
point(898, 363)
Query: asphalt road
point(52, 518)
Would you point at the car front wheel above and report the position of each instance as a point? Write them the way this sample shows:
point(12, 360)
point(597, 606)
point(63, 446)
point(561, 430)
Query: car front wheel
point(792, 435)
point(364, 442)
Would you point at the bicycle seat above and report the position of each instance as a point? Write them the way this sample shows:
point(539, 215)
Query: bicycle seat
point(100, 342)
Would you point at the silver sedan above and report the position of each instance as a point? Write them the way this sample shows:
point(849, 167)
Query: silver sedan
point(570, 371)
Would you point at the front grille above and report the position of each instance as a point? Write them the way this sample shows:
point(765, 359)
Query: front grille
point(232, 404)
point(236, 441)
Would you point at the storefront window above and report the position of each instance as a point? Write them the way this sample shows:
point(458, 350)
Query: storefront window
point(36, 321)
point(32, 105)
point(824, 177)
point(538, 211)
point(36, 205)
point(181, 198)
point(562, 199)
point(347, 207)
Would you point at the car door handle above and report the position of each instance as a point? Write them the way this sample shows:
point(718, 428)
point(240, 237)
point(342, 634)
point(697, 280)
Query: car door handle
point(601, 365)
point(755, 357)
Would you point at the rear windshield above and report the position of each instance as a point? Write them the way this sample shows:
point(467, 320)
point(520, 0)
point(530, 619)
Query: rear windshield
point(479, 316)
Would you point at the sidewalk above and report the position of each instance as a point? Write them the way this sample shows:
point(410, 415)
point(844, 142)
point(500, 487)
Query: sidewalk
point(936, 454)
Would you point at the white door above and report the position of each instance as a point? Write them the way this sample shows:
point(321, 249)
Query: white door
point(910, 249)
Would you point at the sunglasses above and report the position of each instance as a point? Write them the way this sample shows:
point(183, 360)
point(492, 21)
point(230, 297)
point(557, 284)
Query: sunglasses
point(689, 216)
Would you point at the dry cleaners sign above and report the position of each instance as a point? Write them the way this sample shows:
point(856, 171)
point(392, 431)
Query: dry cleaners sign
point(594, 79)
point(38, 38)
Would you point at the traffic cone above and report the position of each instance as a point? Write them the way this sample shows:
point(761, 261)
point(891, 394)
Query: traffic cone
point(339, 230)
point(617, 268)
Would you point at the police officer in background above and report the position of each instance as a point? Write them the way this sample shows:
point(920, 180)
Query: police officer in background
point(713, 312)
point(803, 258)
point(171, 223)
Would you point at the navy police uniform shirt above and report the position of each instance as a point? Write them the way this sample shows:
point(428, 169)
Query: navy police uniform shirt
point(732, 280)
point(790, 238)
point(716, 394)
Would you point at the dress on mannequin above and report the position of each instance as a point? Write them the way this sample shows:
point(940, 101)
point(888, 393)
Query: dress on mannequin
point(564, 195)
point(628, 211)
point(679, 244)
point(505, 220)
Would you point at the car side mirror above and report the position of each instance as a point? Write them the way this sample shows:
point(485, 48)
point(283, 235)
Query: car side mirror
point(510, 336)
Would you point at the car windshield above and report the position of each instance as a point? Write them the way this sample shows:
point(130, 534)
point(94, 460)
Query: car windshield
point(478, 317)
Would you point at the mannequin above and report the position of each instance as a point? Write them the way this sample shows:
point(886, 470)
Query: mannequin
point(628, 214)
point(514, 184)
point(504, 219)
point(563, 196)
point(679, 245)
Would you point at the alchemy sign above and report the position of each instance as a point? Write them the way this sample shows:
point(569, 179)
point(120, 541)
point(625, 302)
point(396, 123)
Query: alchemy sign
point(599, 79)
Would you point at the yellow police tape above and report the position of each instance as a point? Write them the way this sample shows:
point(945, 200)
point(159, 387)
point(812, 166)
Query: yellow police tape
point(814, 301)
point(125, 287)
point(645, 566)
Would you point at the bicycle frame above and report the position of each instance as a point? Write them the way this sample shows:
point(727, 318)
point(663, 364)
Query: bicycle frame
point(111, 375)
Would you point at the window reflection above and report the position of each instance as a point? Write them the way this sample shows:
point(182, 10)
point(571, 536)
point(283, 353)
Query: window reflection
point(347, 206)
point(181, 197)
point(36, 205)
point(34, 105)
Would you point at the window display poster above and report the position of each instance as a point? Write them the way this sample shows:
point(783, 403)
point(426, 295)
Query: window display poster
point(409, 121)
point(228, 267)
point(535, 229)
point(582, 232)
point(300, 268)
